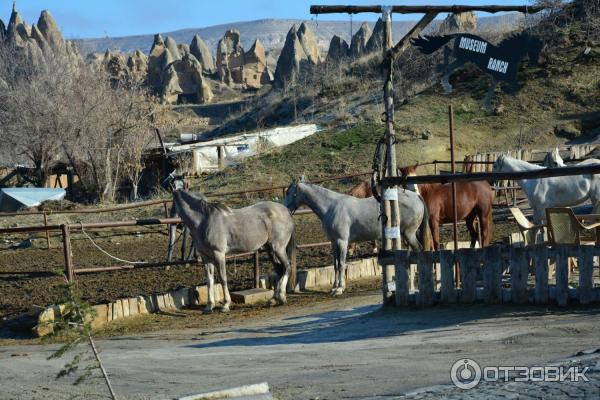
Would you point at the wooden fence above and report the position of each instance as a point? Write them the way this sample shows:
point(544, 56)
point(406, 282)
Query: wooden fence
point(484, 277)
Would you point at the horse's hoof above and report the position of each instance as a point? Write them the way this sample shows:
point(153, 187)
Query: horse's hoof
point(281, 301)
point(338, 291)
point(207, 310)
point(225, 309)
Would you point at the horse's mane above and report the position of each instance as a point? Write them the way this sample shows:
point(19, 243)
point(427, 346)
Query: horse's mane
point(200, 202)
point(515, 39)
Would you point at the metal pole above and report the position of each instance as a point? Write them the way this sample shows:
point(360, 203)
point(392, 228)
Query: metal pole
point(389, 202)
point(256, 270)
point(67, 252)
point(47, 231)
point(455, 213)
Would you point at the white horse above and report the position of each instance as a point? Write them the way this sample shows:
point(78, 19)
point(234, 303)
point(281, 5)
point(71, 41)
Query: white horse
point(553, 159)
point(347, 219)
point(559, 191)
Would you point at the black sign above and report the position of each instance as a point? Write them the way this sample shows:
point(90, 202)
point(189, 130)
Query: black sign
point(500, 61)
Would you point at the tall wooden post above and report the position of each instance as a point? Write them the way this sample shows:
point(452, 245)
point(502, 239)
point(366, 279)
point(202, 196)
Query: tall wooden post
point(221, 156)
point(454, 211)
point(389, 201)
point(66, 234)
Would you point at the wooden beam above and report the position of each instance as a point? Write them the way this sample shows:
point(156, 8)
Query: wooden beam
point(403, 44)
point(495, 176)
point(315, 9)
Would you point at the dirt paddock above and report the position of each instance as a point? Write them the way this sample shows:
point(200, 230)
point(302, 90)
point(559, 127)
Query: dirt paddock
point(314, 348)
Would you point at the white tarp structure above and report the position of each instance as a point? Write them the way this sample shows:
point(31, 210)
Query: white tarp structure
point(205, 154)
point(14, 199)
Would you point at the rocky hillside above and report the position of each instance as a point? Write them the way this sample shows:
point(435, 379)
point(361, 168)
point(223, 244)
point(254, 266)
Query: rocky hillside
point(271, 32)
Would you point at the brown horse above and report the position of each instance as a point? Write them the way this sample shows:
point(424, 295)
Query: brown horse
point(473, 199)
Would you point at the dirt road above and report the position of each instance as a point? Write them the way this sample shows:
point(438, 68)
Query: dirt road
point(330, 350)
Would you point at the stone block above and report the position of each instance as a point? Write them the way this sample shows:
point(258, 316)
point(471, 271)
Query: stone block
point(117, 309)
point(252, 296)
point(134, 307)
point(45, 322)
point(101, 317)
point(125, 307)
point(201, 294)
point(181, 297)
point(144, 307)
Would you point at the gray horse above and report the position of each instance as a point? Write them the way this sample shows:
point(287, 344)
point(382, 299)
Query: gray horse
point(218, 230)
point(347, 219)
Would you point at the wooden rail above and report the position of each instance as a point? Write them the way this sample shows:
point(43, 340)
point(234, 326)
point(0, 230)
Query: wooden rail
point(316, 9)
point(481, 275)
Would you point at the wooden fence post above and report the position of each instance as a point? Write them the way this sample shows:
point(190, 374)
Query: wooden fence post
point(585, 263)
point(468, 259)
point(562, 276)
point(402, 264)
point(425, 271)
point(448, 290)
point(519, 268)
point(492, 275)
point(67, 252)
point(47, 231)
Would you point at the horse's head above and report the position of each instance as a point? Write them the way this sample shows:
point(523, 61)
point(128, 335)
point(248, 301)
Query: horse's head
point(553, 159)
point(173, 182)
point(499, 164)
point(293, 197)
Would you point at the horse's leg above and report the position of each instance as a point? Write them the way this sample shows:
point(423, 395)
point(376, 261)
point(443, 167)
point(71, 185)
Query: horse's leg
point(172, 239)
point(184, 236)
point(470, 222)
point(222, 270)
point(210, 281)
point(434, 225)
point(342, 251)
point(336, 258)
point(284, 264)
point(485, 222)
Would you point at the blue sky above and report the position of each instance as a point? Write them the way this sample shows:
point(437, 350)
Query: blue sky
point(99, 18)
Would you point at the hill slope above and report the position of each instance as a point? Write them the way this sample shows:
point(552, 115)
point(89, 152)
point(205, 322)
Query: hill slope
point(271, 32)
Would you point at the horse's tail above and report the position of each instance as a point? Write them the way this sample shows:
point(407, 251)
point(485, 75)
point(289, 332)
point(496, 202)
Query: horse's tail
point(424, 230)
point(291, 250)
point(429, 44)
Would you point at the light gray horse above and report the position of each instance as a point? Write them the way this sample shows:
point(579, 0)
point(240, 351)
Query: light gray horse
point(347, 219)
point(553, 159)
point(559, 191)
point(218, 230)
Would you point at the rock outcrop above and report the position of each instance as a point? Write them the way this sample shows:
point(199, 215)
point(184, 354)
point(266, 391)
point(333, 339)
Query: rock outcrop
point(137, 66)
point(255, 70)
point(230, 58)
point(338, 49)
point(294, 60)
point(38, 40)
point(463, 22)
point(200, 50)
point(358, 46)
point(172, 46)
point(2, 30)
point(309, 43)
point(375, 42)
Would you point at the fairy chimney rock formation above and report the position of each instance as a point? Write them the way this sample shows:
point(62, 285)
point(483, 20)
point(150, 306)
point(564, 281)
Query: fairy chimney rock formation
point(230, 58)
point(255, 69)
point(338, 49)
point(49, 29)
point(462, 22)
point(358, 46)
point(375, 42)
point(200, 50)
point(172, 46)
point(309, 43)
point(294, 59)
point(2, 30)
point(137, 66)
